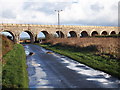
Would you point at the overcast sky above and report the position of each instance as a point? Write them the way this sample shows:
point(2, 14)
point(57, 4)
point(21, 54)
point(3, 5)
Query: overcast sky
point(75, 12)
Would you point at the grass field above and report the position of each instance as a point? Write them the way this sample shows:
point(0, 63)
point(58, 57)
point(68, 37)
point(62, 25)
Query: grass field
point(14, 73)
point(88, 57)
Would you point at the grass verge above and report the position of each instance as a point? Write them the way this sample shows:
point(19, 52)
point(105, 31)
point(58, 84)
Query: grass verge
point(14, 73)
point(89, 58)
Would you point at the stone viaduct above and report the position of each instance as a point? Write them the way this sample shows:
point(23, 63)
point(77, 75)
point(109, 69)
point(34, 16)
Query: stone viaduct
point(75, 31)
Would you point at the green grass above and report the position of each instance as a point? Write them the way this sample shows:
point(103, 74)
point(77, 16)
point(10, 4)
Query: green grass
point(88, 57)
point(14, 73)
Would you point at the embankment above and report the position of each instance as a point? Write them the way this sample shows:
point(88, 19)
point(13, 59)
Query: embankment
point(14, 73)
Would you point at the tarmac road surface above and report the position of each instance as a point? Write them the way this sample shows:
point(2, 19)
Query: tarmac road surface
point(47, 69)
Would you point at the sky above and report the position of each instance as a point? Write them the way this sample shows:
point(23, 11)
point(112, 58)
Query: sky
point(75, 12)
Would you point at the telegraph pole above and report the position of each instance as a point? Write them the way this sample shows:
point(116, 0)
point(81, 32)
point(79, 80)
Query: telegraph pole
point(58, 11)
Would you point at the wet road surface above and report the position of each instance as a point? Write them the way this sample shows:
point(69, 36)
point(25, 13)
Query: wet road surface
point(51, 70)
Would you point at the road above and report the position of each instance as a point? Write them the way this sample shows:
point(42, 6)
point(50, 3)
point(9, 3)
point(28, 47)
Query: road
point(47, 69)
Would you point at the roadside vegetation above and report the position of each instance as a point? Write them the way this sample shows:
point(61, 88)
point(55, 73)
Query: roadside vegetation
point(107, 36)
point(7, 44)
point(104, 46)
point(98, 53)
point(14, 73)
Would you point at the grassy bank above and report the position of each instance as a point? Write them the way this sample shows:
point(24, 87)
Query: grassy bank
point(88, 57)
point(103, 45)
point(14, 73)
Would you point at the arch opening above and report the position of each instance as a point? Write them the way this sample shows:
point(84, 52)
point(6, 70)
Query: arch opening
point(112, 33)
point(60, 34)
point(83, 34)
point(68, 35)
point(9, 35)
point(55, 35)
point(104, 33)
point(26, 37)
point(42, 36)
point(94, 33)
point(72, 34)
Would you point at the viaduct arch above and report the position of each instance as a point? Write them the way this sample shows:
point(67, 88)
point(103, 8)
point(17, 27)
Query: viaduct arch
point(75, 31)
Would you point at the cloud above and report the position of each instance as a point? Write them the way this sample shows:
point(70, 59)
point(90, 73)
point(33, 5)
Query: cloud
point(75, 12)
point(97, 7)
point(8, 14)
